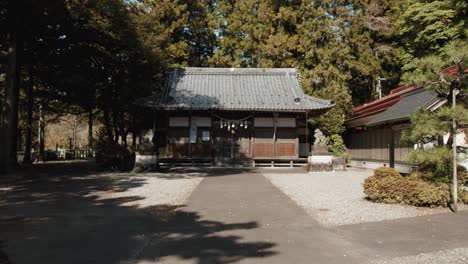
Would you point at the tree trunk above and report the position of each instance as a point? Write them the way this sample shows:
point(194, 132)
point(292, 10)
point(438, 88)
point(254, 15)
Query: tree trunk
point(116, 133)
point(123, 138)
point(29, 118)
point(123, 134)
point(115, 125)
point(8, 158)
point(133, 133)
point(440, 141)
point(41, 132)
point(75, 124)
point(450, 139)
point(134, 136)
point(90, 128)
point(107, 123)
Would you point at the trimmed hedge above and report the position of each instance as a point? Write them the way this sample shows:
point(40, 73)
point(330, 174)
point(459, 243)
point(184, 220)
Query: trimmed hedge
point(386, 172)
point(111, 155)
point(463, 196)
point(406, 191)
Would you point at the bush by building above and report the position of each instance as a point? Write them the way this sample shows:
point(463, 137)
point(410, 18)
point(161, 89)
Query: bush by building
point(397, 189)
point(112, 155)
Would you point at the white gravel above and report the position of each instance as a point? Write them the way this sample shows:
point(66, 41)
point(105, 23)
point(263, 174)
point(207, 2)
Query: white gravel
point(149, 189)
point(337, 198)
point(450, 256)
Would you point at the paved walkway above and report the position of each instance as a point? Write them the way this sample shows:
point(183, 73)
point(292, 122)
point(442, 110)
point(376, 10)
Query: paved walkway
point(232, 217)
point(410, 236)
point(243, 218)
point(53, 217)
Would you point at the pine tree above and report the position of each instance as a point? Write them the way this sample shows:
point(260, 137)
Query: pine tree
point(161, 26)
point(425, 27)
point(429, 72)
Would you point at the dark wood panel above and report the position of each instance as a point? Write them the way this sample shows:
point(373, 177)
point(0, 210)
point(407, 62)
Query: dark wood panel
point(286, 149)
point(201, 150)
point(264, 150)
point(286, 134)
point(178, 150)
point(264, 134)
point(178, 134)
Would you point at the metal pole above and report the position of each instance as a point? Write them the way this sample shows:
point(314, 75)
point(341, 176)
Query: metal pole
point(454, 154)
point(379, 86)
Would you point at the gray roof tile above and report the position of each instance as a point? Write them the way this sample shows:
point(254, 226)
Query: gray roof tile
point(403, 109)
point(236, 89)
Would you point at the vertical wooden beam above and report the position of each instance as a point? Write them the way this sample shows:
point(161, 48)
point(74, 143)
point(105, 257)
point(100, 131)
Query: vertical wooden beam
point(391, 149)
point(212, 139)
point(251, 127)
point(298, 145)
point(231, 132)
point(275, 121)
point(307, 133)
point(189, 140)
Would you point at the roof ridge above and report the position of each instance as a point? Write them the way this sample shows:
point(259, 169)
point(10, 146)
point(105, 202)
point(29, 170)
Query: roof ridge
point(234, 71)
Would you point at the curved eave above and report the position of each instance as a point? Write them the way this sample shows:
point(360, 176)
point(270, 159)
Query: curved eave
point(321, 110)
point(326, 106)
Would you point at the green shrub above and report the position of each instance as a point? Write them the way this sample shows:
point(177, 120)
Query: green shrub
point(462, 175)
point(463, 196)
point(406, 191)
point(385, 172)
point(112, 155)
point(336, 144)
point(434, 163)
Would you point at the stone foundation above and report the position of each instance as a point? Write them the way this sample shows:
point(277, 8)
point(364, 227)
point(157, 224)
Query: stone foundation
point(145, 161)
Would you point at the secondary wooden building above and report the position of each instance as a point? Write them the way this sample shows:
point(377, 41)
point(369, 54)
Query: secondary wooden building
point(233, 115)
point(374, 131)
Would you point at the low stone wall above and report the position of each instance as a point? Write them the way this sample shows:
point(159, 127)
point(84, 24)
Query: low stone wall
point(320, 163)
point(145, 161)
point(368, 164)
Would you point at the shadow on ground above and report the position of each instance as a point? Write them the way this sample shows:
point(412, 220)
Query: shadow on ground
point(50, 213)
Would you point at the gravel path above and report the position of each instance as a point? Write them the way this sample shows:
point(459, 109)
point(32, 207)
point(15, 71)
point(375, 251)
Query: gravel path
point(337, 198)
point(150, 189)
point(451, 256)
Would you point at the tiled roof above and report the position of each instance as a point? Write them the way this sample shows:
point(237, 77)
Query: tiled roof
point(403, 109)
point(384, 102)
point(393, 97)
point(237, 89)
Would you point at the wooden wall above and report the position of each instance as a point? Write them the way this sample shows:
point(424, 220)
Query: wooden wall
point(260, 140)
point(374, 144)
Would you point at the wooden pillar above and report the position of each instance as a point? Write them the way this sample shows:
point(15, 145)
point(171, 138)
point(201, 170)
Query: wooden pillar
point(212, 140)
point(251, 128)
point(307, 133)
point(231, 132)
point(189, 139)
point(391, 149)
point(275, 120)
